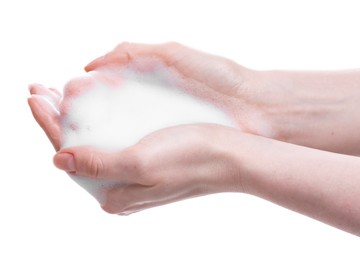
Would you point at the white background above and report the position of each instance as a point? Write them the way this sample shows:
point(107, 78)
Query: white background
point(44, 215)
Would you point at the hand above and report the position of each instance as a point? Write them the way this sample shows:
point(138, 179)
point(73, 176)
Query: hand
point(161, 169)
point(221, 81)
point(190, 164)
point(314, 109)
point(168, 165)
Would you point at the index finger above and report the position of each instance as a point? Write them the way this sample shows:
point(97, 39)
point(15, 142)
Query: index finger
point(126, 52)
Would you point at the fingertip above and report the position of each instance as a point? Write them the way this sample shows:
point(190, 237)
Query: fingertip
point(65, 161)
point(94, 64)
point(49, 94)
point(89, 68)
point(32, 87)
point(30, 102)
point(33, 101)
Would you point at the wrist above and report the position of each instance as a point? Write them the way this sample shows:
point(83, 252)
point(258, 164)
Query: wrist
point(250, 157)
point(255, 103)
point(314, 109)
point(233, 152)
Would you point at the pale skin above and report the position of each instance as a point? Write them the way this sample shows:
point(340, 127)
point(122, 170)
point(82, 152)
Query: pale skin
point(281, 116)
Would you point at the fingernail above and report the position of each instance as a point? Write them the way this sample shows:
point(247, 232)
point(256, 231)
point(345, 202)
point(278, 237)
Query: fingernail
point(65, 161)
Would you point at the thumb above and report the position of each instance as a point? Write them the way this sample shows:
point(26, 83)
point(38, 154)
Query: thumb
point(93, 163)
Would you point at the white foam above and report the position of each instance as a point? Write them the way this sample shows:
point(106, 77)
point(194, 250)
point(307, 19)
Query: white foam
point(111, 117)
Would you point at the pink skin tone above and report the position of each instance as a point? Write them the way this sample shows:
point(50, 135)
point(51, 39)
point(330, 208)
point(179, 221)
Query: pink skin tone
point(290, 106)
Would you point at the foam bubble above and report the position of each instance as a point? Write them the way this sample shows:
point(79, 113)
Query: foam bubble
point(111, 116)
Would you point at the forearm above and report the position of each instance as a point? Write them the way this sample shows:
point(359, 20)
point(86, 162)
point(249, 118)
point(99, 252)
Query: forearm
point(319, 184)
point(315, 109)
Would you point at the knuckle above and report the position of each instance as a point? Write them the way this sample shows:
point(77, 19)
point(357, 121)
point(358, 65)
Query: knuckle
point(125, 49)
point(169, 48)
point(122, 45)
point(76, 86)
point(95, 166)
point(171, 53)
point(231, 66)
point(172, 45)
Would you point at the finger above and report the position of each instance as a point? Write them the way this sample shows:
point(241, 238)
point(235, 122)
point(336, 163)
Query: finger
point(98, 62)
point(52, 94)
point(127, 52)
point(47, 117)
point(89, 162)
point(122, 54)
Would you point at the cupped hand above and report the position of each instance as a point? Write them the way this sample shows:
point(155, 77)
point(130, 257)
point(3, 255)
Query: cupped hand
point(218, 80)
point(200, 73)
point(168, 165)
point(171, 164)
